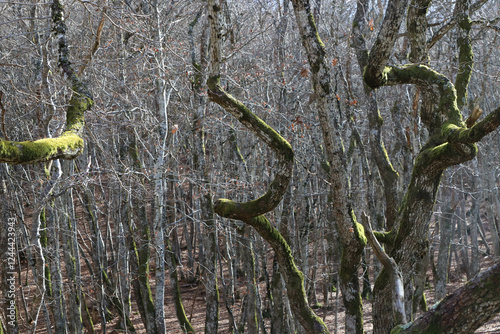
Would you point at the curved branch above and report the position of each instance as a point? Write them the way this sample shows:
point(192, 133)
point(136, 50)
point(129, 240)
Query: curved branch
point(293, 277)
point(382, 49)
point(69, 145)
point(433, 81)
point(469, 136)
point(251, 212)
point(267, 202)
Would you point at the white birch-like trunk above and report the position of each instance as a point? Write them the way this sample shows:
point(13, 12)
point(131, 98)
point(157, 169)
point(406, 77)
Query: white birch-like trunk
point(57, 300)
point(162, 99)
point(159, 201)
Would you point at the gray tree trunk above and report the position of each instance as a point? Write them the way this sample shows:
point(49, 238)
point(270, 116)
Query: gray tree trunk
point(446, 224)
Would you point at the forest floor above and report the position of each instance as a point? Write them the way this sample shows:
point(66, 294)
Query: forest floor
point(333, 314)
point(194, 303)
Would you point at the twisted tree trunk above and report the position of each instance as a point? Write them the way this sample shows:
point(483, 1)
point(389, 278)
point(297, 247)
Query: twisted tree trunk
point(252, 212)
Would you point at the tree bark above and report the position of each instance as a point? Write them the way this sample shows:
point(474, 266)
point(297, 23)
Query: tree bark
point(463, 311)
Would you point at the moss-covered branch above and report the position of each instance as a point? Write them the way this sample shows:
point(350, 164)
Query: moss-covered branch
point(69, 145)
point(463, 135)
point(350, 231)
point(293, 277)
point(450, 141)
point(267, 202)
point(385, 237)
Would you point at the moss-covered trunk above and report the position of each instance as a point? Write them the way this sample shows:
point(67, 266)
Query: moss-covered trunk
point(450, 143)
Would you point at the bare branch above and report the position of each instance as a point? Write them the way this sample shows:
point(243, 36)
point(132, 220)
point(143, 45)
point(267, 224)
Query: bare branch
point(395, 276)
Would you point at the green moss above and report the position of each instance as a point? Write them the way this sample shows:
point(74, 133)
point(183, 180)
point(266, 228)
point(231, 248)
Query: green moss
point(427, 156)
point(213, 83)
point(67, 146)
point(465, 24)
point(225, 207)
point(37, 150)
point(376, 80)
point(9, 151)
point(271, 137)
point(380, 120)
point(423, 303)
point(40, 150)
point(293, 277)
point(385, 237)
point(359, 231)
point(399, 328)
point(75, 114)
point(423, 75)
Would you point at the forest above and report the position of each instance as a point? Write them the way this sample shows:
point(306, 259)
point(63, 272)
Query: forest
point(261, 166)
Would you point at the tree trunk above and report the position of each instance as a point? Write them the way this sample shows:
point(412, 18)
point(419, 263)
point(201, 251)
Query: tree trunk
point(463, 311)
point(248, 258)
point(350, 231)
point(184, 322)
point(445, 235)
point(140, 265)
